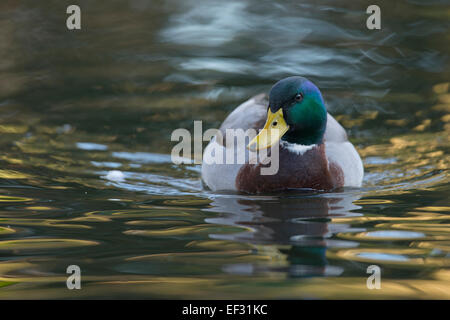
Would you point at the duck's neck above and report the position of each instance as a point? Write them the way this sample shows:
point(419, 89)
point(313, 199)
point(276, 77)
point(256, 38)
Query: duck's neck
point(305, 138)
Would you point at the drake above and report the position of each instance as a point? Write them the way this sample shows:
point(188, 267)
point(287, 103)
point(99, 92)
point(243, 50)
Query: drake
point(313, 149)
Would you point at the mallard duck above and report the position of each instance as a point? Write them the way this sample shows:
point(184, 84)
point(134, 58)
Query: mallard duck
point(313, 149)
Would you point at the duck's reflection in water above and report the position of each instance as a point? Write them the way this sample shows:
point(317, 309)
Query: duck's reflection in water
point(298, 227)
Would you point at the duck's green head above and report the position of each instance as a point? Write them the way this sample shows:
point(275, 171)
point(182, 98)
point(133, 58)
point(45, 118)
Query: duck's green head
point(296, 114)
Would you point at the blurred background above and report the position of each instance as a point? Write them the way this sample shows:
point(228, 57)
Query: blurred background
point(76, 105)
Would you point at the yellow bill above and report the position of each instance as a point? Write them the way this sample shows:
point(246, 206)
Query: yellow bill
point(272, 132)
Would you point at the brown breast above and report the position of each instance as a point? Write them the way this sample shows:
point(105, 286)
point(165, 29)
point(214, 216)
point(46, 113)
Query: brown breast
point(307, 170)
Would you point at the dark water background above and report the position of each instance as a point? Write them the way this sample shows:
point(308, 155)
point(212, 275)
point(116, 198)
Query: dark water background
point(76, 105)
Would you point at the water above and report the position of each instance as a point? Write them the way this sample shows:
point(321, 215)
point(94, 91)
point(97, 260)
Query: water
point(85, 170)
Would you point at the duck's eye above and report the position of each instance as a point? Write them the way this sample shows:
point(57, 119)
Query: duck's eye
point(298, 97)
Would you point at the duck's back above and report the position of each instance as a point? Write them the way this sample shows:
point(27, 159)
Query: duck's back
point(342, 153)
